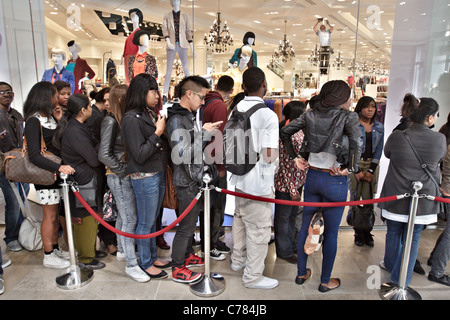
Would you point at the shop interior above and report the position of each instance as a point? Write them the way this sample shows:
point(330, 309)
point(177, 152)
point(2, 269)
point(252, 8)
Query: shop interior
point(287, 48)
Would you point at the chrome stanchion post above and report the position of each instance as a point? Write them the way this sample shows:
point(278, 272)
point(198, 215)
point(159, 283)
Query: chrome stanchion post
point(212, 284)
point(391, 291)
point(74, 278)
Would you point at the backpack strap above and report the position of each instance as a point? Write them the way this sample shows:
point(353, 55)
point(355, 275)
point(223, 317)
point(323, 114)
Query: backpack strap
point(255, 108)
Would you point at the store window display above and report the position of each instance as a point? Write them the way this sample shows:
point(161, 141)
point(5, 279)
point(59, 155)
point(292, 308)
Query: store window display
point(78, 66)
point(58, 72)
point(142, 61)
point(176, 29)
point(249, 40)
point(130, 48)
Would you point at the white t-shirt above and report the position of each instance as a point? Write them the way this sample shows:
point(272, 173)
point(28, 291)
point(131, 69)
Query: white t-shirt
point(324, 38)
point(260, 180)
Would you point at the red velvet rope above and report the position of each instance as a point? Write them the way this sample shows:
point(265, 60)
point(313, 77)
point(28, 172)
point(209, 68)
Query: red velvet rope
point(131, 235)
point(442, 199)
point(310, 204)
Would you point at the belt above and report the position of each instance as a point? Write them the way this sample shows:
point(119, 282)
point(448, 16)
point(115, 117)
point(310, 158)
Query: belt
point(322, 170)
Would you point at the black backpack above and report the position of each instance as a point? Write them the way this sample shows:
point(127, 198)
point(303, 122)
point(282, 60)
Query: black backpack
point(239, 156)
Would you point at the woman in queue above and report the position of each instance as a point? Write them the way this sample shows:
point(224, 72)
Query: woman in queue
point(331, 148)
point(112, 154)
point(76, 143)
point(405, 169)
point(147, 155)
point(38, 107)
point(364, 182)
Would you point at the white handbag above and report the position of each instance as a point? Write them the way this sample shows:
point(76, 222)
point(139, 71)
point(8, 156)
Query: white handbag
point(30, 229)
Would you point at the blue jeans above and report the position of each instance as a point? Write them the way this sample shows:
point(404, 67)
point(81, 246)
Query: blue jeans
point(13, 214)
point(127, 215)
point(395, 238)
point(149, 194)
point(322, 187)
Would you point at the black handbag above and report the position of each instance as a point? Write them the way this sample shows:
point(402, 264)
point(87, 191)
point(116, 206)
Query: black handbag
point(361, 217)
point(444, 209)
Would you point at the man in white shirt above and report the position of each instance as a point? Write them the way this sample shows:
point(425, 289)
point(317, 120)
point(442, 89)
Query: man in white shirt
point(252, 221)
point(325, 43)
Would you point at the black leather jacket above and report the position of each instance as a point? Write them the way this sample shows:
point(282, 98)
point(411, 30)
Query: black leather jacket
point(111, 150)
point(187, 142)
point(332, 130)
point(146, 151)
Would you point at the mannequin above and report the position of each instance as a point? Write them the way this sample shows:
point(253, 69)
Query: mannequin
point(236, 72)
point(142, 62)
point(249, 40)
point(178, 37)
point(58, 72)
point(78, 66)
point(130, 48)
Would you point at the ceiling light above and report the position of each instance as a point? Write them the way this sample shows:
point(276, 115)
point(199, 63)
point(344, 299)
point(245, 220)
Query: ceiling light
point(53, 12)
point(256, 21)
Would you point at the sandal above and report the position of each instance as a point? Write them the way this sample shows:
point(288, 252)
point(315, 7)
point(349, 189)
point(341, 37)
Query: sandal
point(323, 288)
point(300, 281)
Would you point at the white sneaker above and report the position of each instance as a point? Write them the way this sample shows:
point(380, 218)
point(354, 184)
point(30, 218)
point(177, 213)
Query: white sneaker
point(63, 254)
point(2, 285)
point(6, 263)
point(137, 274)
point(53, 261)
point(120, 256)
point(264, 283)
point(236, 267)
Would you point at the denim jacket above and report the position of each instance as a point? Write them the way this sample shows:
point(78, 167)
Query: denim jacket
point(377, 140)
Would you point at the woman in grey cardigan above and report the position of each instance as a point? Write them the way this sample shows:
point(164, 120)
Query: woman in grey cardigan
point(404, 169)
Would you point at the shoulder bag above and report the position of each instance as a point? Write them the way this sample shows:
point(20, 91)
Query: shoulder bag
point(443, 212)
point(361, 217)
point(18, 166)
point(170, 200)
point(30, 229)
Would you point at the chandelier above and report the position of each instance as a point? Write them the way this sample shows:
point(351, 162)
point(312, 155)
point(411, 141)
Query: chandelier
point(218, 39)
point(285, 50)
point(313, 58)
point(338, 63)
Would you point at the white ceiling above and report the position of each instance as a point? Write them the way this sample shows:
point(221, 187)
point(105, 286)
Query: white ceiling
point(374, 44)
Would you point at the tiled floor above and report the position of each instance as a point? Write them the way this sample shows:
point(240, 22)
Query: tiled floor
point(27, 279)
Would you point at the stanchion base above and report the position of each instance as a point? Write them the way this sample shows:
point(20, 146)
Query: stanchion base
point(74, 279)
point(209, 286)
point(391, 291)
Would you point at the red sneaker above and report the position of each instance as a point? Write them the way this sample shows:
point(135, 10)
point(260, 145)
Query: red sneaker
point(194, 261)
point(184, 275)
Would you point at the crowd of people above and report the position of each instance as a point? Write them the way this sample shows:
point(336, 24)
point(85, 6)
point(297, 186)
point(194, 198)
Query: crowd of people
point(119, 140)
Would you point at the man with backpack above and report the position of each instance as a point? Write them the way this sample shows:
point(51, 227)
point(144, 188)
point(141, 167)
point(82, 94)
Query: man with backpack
point(252, 221)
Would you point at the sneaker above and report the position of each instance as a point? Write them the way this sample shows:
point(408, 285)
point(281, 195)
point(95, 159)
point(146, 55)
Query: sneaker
point(222, 247)
point(14, 246)
point(93, 265)
point(236, 267)
point(2, 285)
point(216, 255)
point(194, 261)
point(63, 254)
point(184, 275)
point(6, 263)
point(137, 274)
point(264, 283)
point(53, 261)
point(120, 256)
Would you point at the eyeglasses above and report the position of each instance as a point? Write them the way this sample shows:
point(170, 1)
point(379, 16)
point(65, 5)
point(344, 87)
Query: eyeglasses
point(10, 92)
point(202, 97)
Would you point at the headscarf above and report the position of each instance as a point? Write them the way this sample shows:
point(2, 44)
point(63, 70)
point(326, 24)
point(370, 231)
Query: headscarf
point(334, 93)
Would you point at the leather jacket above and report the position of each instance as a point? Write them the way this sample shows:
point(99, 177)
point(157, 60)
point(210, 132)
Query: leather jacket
point(111, 150)
point(333, 130)
point(187, 142)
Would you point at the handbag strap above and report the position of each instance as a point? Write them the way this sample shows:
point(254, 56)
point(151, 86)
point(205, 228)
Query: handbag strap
point(422, 164)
